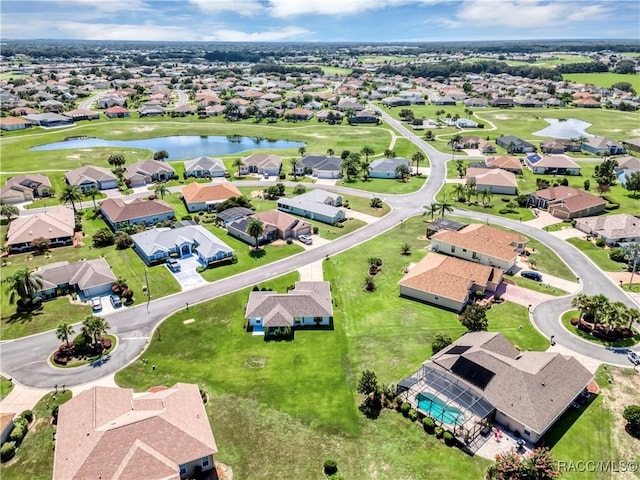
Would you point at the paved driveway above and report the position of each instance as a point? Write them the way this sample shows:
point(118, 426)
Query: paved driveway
point(522, 296)
point(569, 232)
point(188, 277)
point(543, 219)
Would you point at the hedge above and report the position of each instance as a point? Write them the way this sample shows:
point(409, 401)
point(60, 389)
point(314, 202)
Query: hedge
point(429, 425)
point(330, 467)
point(449, 439)
point(7, 451)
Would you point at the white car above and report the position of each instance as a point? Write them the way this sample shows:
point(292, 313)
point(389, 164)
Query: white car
point(306, 239)
point(634, 358)
point(96, 304)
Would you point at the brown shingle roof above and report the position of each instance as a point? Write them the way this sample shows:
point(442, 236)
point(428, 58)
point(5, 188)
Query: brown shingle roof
point(57, 222)
point(483, 239)
point(119, 211)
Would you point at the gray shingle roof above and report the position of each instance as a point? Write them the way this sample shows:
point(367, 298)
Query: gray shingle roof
point(166, 239)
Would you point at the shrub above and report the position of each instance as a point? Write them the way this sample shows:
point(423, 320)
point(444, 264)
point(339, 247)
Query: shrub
point(617, 255)
point(54, 413)
point(103, 238)
point(21, 421)
point(7, 451)
point(449, 439)
point(289, 241)
point(123, 241)
point(632, 416)
point(439, 432)
point(316, 230)
point(299, 189)
point(405, 408)
point(81, 343)
point(330, 467)
point(600, 242)
point(413, 415)
point(429, 425)
point(18, 433)
point(440, 341)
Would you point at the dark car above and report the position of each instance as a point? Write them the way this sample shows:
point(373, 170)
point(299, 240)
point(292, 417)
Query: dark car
point(115, 301)
point(537, 276)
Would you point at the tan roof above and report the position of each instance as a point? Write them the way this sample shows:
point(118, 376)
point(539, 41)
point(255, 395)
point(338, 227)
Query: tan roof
point(492, 176)
point(262, 160)
point(280, 220)
point(90, 174)
point(28, 181)
point(14, 121)
point(569, 198)
point(5, 418)
point(449, 277)
point(119, 211)
point(56, 222)
point(105, 433)
point(197, 192)
point(85, 274)
point(556, 161)
point(611, 226)
point(485, 239)
point(505, 162)
point(532, 387)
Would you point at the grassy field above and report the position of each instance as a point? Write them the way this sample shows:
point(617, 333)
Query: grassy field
point(34, 457)
point(599, 256)
point(385, 185)
point(603, 79)
point(512, 320)
point(566, 322)
point(5, 387)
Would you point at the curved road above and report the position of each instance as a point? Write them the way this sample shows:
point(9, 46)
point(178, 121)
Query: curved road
point(25, 359)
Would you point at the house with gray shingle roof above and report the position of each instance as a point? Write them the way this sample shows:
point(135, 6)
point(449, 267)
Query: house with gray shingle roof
point(142, 173)
point(613, 229)
point(316, 204)
point(309, 303)
point(158, 244)
point(481, 379)
point(386, 167)
point(89, 177)
point(89, 277)
point(205, 167)
point(24, 188)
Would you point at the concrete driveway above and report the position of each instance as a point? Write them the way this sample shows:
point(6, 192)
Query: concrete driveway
point(543, 219)
point(568, 232)
point(522, 296)
point(188, 277)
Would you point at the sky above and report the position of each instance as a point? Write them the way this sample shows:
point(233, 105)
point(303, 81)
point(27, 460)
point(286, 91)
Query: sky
point(319, 20)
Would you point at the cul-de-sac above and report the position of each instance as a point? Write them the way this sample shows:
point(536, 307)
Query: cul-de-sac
point(325, 260)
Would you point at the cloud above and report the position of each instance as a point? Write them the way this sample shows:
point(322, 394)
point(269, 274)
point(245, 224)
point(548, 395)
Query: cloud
point(293, 8)
point(240, 7)
point(526, 14)
point(107, 6)
point(119, 31)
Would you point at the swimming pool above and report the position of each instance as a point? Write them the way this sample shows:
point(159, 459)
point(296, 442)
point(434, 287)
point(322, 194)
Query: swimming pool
point(436, 409)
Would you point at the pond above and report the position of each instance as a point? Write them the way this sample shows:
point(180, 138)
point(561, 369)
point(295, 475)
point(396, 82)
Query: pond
point(564, 128)
point(179, 146)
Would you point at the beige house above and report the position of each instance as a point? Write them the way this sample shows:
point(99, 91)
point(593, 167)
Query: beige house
point(494, 180)
point(56, 225)
point(482, 379)
point(448, 281)
point(481, 243)
point(567, 202)
point(111, 433)
point(198, 196)
point(25, 188)
point(613, 229)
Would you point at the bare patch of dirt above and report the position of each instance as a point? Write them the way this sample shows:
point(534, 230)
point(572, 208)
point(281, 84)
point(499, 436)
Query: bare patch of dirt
point(257, 194)
point(255, 362)
point(624, 392)
point(502, 116)
point(143, 129)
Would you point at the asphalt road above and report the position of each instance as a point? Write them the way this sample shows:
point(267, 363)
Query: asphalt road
point(26, 359)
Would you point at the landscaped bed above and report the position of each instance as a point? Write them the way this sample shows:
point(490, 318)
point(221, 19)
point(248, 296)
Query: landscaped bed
point(68, 356)
point(622, 337)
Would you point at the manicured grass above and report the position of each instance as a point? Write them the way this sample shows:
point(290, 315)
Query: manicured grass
point(599, 256)
point(5, 387)
point(512, 320)
point(363, 205)
point(537, 286)
point(634, 287)
point(493, 206)
point(34, 457)
point(566, 321)
point(605, 79)
point(386, 185)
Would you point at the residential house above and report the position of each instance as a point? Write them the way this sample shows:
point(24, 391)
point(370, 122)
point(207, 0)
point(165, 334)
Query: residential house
point(107, 432)
point(90, 278)
point(587, 103)
point(14, 123)
point(205, 167)
point(632, 144)
point(298, 114)
point(491, 382)
point(145, 172)
point(262, 164)
point(308, 304)
point(277, 225)
point(82, 114)
point(508, 163)
point(502, 103)
point(110, 101)
point(320, 166)
point(443, 224)
point(514, 144)
point(475, 103)
point(347, 103)
point(334, 116)
point(559, 146)
point(25, 188)
point(49, 120)
point(627, 165)
point(198, 197)
point(482, 244)
point(444, 101)
point(90, 177)
point(151, 111)
point(386, 167)
point(603, 146)
point(157, 244)
point(364, 117)
point(395, 101)
point(551, 165)
point(232, 214)
point(448, 282)
point(316, 204)
point(57, 225)
point(567, 202)
point(613, 229)
point(117, 112)
point(118, 214)
point(494, 180)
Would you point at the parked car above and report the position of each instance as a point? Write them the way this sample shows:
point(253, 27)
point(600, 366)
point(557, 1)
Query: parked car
point(96, 304)
point(306, 239)
point(173, 265)
point(634, 358)
point(115, 301)
point(537, 276)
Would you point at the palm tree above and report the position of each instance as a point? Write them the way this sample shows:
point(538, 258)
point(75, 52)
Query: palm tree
point(23, 285)
point(351, 165)
point(365, 168)
point(431, 209)
point(94, 327)
point(460, 168)
point(366, 151)
point(613, 315)
point(255, 228)
point(302, 151)
point(581, 302)
point(330, 152)
point(633, 315)
point(63, 331)
point(486, 196)
point(445, 207)
point(92, 192)
point(418, 157)
point(237, 163)
point(161, 190)
point(294, 167)
point(72, 194)
point(388, 153)
point(402, 171)
point(459, 190)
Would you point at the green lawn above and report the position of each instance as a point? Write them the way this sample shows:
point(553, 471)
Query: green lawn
point(34, 458)
point(385, 185)
point(566, 321)
point(537, 286)
point(5, 387)
point(512, 320)
point(603, 79)
point(599, 256)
